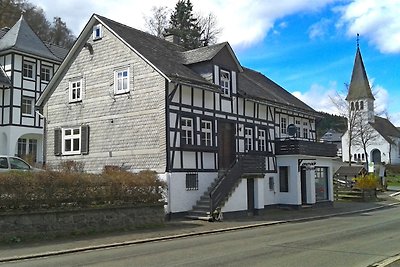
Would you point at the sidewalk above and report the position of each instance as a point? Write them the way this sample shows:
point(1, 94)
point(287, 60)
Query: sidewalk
point(184, 228)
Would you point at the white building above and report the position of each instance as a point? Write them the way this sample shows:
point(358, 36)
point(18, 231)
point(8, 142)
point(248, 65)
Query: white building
point(220, 134)
point(384, 144)
point(28, 65)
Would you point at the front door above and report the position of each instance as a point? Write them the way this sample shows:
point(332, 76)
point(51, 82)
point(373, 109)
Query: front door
point(226, 147)
point(250, 196)
point(303, 185)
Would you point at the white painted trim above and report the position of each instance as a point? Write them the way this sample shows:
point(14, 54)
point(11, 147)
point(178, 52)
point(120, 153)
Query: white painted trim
point(216, 74)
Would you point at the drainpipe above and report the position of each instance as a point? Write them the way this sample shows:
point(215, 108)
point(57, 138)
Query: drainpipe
point(44, 135)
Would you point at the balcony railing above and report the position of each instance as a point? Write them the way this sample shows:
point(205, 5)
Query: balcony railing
point(301, 147)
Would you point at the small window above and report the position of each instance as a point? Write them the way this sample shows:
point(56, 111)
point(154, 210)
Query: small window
point(46, 73)
point(271, 183)
point(284, 179)
point(361, 105)
point(206, 133)
point(75, 90)
point(283, 125)
point(71, 141)
point(192, 181)
point(27, 106)
point(97, 32)
point(261, 140)
point(305, 133)
point(28, 69)
point(121, 81)
point(225, 82)
point(248, 139)
point(187, 131)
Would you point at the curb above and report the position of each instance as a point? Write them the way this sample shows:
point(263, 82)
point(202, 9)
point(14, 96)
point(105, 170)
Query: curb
point(387, 261)
point(164, 238)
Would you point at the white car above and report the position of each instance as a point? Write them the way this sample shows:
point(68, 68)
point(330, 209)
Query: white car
point(10, 163)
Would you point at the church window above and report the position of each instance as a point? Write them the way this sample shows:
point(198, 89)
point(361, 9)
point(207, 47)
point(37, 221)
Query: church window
point(357, 107)
point(352, 105)
point(361, 105)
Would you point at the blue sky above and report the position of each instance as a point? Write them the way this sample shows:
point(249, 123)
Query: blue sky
point(306, 46)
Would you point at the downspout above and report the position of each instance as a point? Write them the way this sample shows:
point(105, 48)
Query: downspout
point(167, 150)
point(39, 112)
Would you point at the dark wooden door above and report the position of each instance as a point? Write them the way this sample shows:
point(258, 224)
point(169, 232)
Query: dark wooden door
point(226, 144)
point(250, 195)
point(303, 185)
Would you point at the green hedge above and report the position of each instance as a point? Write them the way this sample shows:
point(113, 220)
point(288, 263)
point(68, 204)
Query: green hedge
point(54, 189)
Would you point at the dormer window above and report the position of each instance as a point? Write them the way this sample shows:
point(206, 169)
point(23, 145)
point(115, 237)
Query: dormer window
point(97, 32)
point(225, 81)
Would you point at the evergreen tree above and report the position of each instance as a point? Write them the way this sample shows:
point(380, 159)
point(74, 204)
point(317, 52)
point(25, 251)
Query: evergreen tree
point(184, 25)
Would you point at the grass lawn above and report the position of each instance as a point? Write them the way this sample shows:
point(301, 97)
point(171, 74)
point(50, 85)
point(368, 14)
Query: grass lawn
point(393, 180)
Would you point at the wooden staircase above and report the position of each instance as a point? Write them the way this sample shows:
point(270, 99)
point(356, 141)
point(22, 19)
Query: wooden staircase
point(245, 166)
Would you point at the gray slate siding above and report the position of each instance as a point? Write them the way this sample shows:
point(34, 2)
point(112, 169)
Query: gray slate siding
point(125, 129)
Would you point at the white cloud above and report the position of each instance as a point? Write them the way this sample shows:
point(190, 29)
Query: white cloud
point(319, 29)
point(319, 97)
point(378, 21)
point(243, 22)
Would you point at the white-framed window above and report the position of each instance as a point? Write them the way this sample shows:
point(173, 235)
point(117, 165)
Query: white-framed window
point(187, 131)
point(305, 132)
point(28, 69)
point(206, 133)
point(248, 138)
point(27, 147)
point(261, 140)
point(297, 122)
point(225, 81)
point(75, 90)
point(71, 141)
point(121, 81)
point(27, 106)
point(283, 125)
point(97, 32)
point(46, 73)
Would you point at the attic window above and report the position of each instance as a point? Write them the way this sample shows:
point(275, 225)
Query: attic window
point(225, 82)
point(97, 32)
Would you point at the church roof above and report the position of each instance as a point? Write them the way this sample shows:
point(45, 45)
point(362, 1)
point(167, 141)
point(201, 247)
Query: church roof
point(385, 128)
point(359, 85)
point(22, 38)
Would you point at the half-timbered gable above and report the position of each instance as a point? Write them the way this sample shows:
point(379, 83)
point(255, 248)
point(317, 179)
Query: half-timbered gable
point(210, 127)
point(29, 64)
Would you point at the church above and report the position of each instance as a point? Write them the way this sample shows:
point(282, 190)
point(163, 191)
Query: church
point(373, 138)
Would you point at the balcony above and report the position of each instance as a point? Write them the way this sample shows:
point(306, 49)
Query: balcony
point(301, 147)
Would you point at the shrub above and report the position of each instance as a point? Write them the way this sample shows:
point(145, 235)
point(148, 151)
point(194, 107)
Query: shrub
point(51, 189)
point(369, 181)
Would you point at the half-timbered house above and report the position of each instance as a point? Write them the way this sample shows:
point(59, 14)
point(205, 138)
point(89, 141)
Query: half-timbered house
point(220, 134)
point(26, 67)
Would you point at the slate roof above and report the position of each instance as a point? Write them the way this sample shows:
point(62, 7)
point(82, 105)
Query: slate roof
point(3, 31)
point(350, 171)
point(359, 85)
point(4, 81)
point(163, 54)
point(22, 38)
point(173, 61)
point(56, 50)
point(201, 54)
point(253, 84)
point(332, 136)
point(386, 129)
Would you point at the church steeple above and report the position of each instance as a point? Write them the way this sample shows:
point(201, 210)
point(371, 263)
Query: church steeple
point(360, 96)
point(359, 85)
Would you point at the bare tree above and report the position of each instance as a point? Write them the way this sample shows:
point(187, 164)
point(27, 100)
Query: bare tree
point(359, 132)
point(365, 134)
point(158, 21)
point(352, 117)
point(209, 29)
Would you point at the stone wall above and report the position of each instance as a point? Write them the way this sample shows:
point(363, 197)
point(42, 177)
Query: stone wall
point(56, 223)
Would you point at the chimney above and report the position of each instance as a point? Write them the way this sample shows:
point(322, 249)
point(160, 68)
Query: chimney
point(170, 37)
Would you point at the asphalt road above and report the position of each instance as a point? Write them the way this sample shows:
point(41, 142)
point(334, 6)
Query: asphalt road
point(354, 240)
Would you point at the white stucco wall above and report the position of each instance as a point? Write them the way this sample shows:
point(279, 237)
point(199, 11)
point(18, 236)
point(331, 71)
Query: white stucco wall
point(238, 199)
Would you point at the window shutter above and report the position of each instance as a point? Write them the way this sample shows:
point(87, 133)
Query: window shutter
point(57, 141)
point(85, 139)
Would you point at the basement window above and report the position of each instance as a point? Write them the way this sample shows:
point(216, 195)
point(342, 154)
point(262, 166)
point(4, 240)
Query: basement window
point(192, 181)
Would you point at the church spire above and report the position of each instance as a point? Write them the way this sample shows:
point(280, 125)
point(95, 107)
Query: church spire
point(359, 85)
